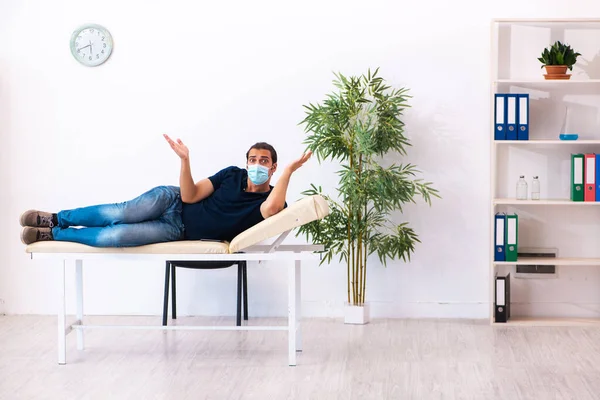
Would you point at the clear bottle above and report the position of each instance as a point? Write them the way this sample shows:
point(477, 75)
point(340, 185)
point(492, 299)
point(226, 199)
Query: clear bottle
point(535, 188)
point(521, 188)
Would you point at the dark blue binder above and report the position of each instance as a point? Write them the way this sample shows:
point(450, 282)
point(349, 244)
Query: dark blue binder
point(500, 237)
point(511, 116)
point(500, 116)
point(523, 116)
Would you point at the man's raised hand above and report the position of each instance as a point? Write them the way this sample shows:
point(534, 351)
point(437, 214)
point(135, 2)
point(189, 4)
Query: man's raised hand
point(178, 147)
point(293, 166)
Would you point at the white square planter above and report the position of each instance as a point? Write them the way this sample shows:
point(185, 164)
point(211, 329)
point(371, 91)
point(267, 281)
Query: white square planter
point(356, 314)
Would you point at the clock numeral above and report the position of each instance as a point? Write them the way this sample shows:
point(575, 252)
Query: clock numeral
point(103, 38)
point(90, 58)
point(102, 51)
point(98, 33)
point(91, 30)
point(76, 44)
point(97, 56)
point(79, 50)
point(104, 45)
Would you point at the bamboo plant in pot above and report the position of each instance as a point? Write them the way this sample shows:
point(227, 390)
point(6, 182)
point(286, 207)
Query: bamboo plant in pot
point(358, 124)
point(556, 59)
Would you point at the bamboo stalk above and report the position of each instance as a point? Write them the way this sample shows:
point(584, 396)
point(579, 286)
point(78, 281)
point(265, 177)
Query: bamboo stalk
point(348, 258)
point(364, 278)
point(360, 239)
point(360, 268)
point(350, 240)
point(354, 275)
point(357, 264)
point(348, 255)
point(352, 278)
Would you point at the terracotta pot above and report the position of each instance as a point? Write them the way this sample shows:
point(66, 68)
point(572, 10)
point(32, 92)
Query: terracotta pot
point(556, 72)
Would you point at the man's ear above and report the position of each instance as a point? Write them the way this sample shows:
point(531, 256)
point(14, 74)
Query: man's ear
point(274, 167)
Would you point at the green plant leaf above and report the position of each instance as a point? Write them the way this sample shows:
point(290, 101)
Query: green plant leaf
point(359, 124)
point(559, 54)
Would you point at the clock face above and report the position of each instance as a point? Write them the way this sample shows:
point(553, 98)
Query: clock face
point(91, 45)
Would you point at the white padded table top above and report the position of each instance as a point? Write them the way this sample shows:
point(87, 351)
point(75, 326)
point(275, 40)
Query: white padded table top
point(177, 247)
point(301, 212)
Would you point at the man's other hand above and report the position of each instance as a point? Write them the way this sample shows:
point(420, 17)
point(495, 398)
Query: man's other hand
point(180, 149)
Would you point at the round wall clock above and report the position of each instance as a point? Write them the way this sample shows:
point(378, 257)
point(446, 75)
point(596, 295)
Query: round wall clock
point(91, 44)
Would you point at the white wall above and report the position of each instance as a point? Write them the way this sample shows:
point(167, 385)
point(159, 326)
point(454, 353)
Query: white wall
point(221, 76)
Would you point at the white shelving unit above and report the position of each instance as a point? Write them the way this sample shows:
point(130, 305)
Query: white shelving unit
point(516, 45)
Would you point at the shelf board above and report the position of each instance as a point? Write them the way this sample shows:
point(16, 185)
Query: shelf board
point(547, 141)
point(547, 20)
point(551, 261)
point(556, 23)
point(548, 81)
point(545, 202)
point(549, 321)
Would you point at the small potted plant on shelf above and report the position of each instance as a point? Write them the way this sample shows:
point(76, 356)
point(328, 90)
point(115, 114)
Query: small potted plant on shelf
point(556, 59)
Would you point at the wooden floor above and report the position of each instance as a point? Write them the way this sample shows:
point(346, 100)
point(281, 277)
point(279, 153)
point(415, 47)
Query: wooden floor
point(386, 359)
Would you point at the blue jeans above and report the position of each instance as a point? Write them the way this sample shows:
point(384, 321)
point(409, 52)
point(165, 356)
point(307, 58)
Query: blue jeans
point(153, 217)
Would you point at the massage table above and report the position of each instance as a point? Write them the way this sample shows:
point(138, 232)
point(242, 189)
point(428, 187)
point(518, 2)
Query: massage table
point(245, 246)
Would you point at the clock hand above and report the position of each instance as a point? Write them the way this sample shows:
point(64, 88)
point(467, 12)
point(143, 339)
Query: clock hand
point(90, 47)
point(83, 47)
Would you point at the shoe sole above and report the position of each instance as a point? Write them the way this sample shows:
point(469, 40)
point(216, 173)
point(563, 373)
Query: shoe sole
point(23, 239)
point(22, 217)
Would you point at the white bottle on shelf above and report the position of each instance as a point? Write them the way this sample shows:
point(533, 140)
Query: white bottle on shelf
point(535, 188)
point(521, 188)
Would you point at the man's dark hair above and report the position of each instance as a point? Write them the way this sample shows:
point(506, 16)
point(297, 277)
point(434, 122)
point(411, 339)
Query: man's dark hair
point(263, 146)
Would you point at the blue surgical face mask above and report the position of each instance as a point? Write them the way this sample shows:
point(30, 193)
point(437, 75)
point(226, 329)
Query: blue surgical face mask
point(258, 174)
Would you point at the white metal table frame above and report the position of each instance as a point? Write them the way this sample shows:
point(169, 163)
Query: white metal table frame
point(275, 251)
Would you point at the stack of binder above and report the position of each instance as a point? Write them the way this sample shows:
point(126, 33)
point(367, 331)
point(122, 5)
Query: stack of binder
point(511, 116)
point(506, 234)
point(584, 170)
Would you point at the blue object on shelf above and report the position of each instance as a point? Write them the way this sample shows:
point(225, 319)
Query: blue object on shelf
point(568, 136)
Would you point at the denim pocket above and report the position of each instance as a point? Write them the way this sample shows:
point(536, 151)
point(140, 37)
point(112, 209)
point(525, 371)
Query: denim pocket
point(173, 213)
